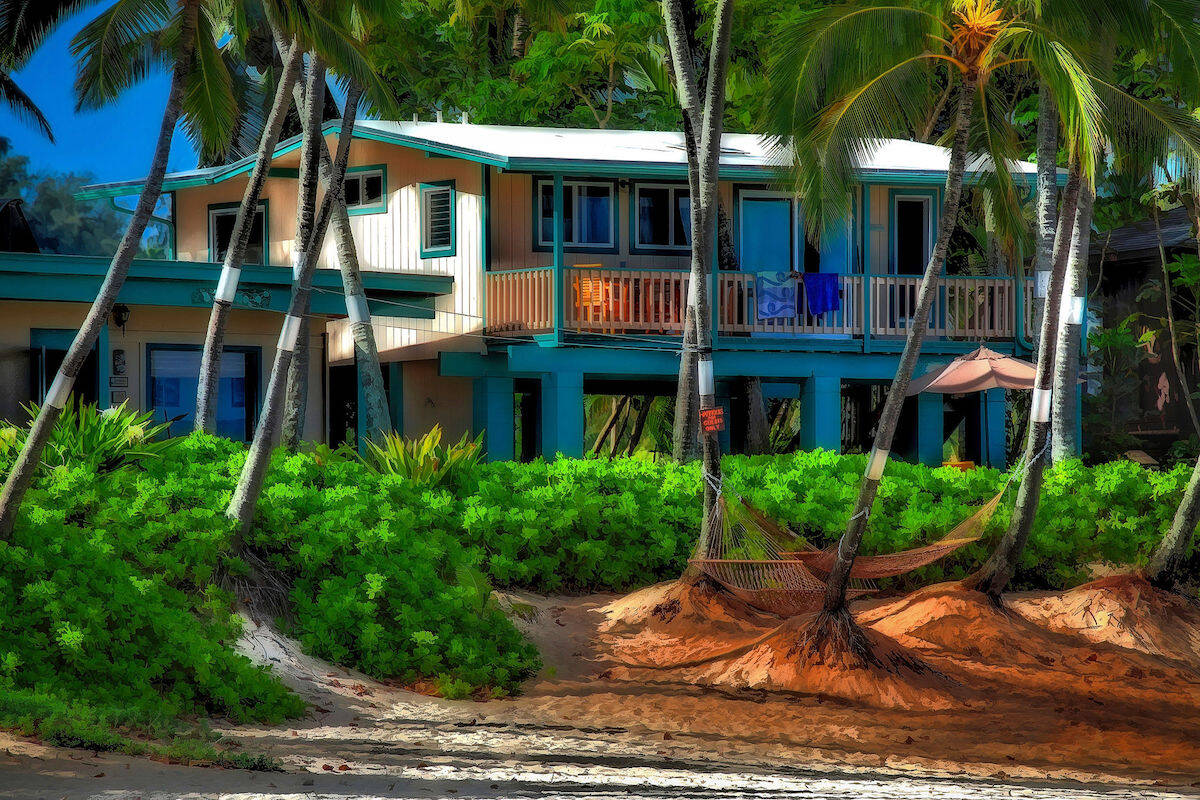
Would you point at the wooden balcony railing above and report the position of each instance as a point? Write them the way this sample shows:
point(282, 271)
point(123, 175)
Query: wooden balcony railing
point(652, 301)
point(520, 301)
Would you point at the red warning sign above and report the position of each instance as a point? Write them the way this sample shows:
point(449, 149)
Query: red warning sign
point(712, 420)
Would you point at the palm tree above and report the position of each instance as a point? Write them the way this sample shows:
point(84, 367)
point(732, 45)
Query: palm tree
point(103, 48)
point(210, 360)
point(842, 79)
point(24, 25)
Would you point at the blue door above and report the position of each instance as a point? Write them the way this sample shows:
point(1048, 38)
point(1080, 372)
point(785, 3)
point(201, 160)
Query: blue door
point(767, 234)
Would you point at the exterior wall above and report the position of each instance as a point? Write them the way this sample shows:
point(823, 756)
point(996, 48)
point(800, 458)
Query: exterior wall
point(430, 399)
point(386, 241)
point(512, 229)
point(147, 326)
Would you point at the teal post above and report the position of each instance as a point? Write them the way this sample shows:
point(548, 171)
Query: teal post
point(866, 267)
point(103, 368)
point(994, 410)
point(559, 235)
point(821, 413)
point(493, 416)
point(395, 371)
point(714, 296)
point(724, 438)
point(930, 428)
point(562, 414)
point(360, 398)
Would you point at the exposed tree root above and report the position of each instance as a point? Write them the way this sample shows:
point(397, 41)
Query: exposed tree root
point(834, 639)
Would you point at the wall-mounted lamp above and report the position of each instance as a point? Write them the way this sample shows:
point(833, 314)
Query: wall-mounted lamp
point(120, 315)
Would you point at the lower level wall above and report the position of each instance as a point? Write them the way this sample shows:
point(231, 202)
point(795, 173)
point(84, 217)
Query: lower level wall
point(430, 399)
point(146, 326)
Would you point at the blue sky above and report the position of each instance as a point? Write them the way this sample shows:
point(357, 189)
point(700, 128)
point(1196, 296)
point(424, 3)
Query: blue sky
point(112, 144)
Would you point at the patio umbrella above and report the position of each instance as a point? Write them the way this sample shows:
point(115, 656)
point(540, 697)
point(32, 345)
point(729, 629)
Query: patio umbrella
point(974, 372)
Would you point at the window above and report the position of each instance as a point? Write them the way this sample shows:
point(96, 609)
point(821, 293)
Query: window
point(366, 190)
point(437, 219)
point(221, 219)
point(589, 215)
point(663, 216)
point(172, 376)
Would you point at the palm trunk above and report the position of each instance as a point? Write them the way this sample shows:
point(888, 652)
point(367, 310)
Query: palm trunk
point(1047, 186)
point(835, 619)
point(1169, 303)
point(1166, 564)
point(618, 405)
point(378, 421)
point(758, 432)
point(245, 496)
point(21, 475)
point(520, 34)
point(1064, 437)
point(214, 340)
point(296, 401)
point(639, 425)
point(995, 575)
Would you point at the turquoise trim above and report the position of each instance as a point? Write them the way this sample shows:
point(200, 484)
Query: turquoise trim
point(635, 222)
point(381, 206)
point(485, 245)
point(103, 367)
point(821, 413)
point(536, 215)
point(283, 172)
point(263, 205)
point(866, 267)
point(186, 284)
point(931, 428)
point(395, 377)
point(452, 249)
point(558, 275)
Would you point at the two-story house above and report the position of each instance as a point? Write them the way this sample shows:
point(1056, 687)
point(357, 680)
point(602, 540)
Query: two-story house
point(537, 262)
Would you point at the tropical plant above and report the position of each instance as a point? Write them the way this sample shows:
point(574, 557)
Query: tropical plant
point(101, 440)
point(844, 78)
point(112, 54)
point(425, 460)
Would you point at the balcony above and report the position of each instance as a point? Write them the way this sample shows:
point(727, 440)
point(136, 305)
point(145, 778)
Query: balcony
point(651, 302)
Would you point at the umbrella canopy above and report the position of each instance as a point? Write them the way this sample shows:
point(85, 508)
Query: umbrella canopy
point(974, 372)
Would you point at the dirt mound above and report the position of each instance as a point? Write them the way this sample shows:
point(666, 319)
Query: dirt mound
point(1124, 611)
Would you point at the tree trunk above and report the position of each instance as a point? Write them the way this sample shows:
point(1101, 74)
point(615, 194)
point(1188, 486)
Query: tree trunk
point(378, 420)
point(1064, 437)
point(993, 578)
point(214, 340)
point(296, 403)
point(705, 122)
point(618, 433)
point(1173, 338)
point(758, 432)
point(21, 475)
point(618, 405)
point(639, 425)
point(1166, 564)
point(1047, 190)
point(249, 487)
point(520, 34)
point(834, 621)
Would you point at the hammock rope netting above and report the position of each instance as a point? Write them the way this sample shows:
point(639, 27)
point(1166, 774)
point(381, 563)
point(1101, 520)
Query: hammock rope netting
point(776, 570)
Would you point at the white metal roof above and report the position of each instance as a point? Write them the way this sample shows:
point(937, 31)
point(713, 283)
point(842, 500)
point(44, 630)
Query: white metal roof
point(614, 153)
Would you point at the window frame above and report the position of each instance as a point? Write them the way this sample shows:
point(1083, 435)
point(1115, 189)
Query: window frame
point(431, 186)
point(635, 245)
point(932, 200)
point(614, 225)
point(215, 209)
point(361, 173)
point(254, 374)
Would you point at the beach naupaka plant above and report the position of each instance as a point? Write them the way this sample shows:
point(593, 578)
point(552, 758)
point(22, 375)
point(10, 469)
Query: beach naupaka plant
point(844, 79)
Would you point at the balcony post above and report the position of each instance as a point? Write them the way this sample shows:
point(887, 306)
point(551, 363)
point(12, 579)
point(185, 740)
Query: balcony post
point(992, 408)
point(559, 235)
point(714, 289)
point(821, 413)
point(866, 267)
point(562, 414)
point(931, 433)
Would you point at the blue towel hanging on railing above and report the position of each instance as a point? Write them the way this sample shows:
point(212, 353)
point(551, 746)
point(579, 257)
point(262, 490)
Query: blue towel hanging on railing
point(821, 292)
point(776, 295)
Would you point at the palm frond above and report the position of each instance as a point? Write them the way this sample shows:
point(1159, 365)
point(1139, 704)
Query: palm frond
point(22, 106)
point(1148, 133)
point(25, 24)
point(210, 110)
point(114, 50)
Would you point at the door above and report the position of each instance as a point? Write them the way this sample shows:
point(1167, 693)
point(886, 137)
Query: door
point(47, 349)
point(767, 233)
point(173, 375)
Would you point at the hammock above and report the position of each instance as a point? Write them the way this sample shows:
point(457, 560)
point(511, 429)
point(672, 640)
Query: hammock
point(773, 569)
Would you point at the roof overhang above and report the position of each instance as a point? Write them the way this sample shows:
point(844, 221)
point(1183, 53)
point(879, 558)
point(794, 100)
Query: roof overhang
point(186, 284)
point(610, 168)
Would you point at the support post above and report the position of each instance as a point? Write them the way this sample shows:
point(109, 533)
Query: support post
point(821, 413)
point(103, 368)
point(562, 414)
point(493, 416)
point(725, 437)
point(559, 235)
point(866, 267)
point(360, 400)
point(931, 424)
point(993, 411)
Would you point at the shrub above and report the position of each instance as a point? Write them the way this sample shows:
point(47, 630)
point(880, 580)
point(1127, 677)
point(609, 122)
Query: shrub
point(424, 459)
